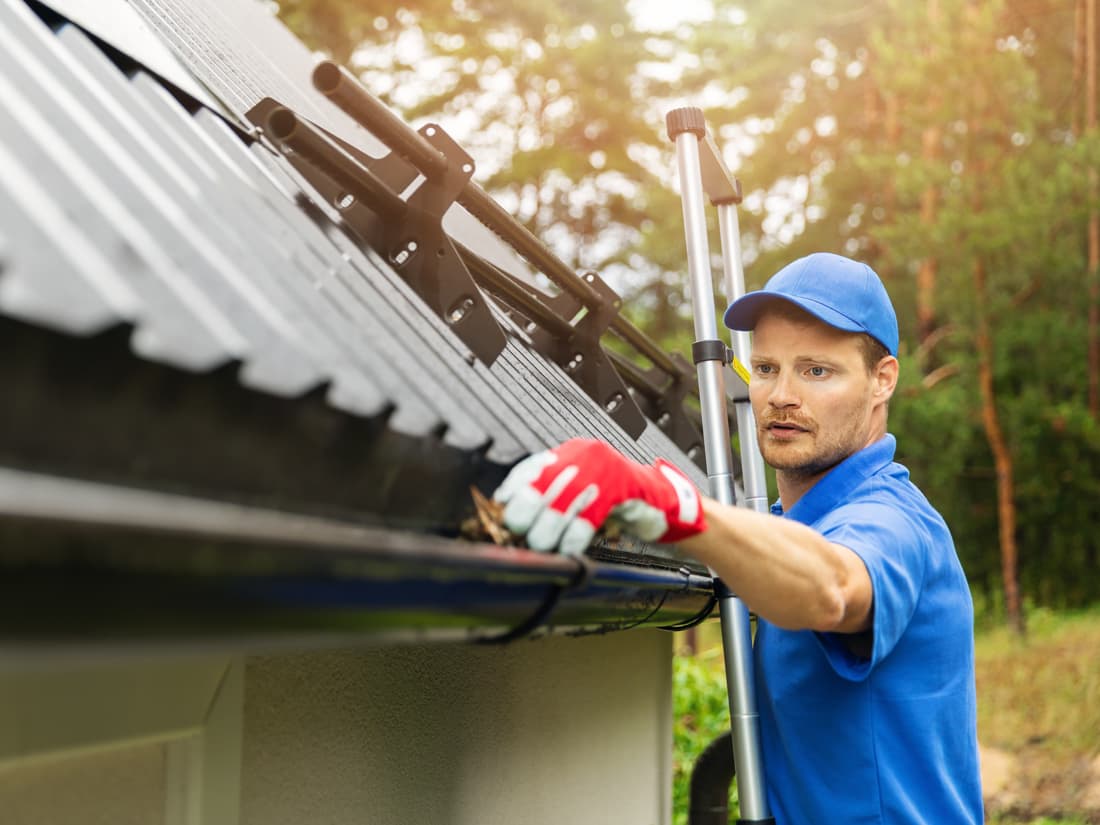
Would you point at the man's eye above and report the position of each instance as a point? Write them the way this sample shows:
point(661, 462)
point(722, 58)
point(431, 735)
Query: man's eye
point(763, 369)
point(818, 372)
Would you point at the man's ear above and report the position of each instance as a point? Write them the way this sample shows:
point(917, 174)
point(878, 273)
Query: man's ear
point(886, 377)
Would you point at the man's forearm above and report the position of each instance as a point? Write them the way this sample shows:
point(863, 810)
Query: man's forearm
point(784, 571)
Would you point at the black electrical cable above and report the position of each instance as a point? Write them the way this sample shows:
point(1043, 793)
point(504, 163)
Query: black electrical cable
point(579, 581)
point(695, 620)
point(698, 618)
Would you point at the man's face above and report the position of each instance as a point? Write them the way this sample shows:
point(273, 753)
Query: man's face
point(811, 393)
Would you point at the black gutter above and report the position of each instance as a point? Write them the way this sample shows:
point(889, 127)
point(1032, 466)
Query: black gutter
point(85, 563)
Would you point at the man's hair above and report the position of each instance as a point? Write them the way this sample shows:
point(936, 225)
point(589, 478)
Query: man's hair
point(873, 351)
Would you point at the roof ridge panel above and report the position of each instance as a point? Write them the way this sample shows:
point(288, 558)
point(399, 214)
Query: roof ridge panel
point(255, 74)
point(81, 291)
point(379, 283)
point(164, 332)
point(314, 373)
point(346, 284)
point(255, 77)
point(317, 338)
point(462, 429)
point(96, 203)
point(276, 361)
point(655, 441)
point(211, 133)
point(588, 415)
point(121, 26)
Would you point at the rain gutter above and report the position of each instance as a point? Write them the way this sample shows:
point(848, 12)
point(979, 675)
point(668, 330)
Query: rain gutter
point(88, 564)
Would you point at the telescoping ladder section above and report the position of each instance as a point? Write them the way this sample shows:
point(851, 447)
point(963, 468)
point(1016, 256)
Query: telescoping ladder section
point(701, 168)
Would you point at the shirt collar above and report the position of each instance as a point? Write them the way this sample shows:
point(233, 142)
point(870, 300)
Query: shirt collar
point(837, 485)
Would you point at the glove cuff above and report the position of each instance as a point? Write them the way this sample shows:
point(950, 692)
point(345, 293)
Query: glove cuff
point(685, 512)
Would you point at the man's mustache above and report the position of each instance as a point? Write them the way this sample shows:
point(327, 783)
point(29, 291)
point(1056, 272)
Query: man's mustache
point(788, 419)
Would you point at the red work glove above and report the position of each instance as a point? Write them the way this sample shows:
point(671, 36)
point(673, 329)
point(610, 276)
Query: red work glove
point(559, 498)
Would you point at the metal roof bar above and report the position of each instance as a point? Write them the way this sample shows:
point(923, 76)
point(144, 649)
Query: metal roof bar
point(340, 86)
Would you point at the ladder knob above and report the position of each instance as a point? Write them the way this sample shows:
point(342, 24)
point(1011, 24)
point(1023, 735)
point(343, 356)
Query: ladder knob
point(686, 119)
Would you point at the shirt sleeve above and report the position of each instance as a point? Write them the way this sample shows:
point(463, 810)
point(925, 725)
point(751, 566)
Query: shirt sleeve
point(894, 551)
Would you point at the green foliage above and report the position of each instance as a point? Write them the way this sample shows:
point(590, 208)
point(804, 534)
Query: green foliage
point(700, 714)
point(1055, 445)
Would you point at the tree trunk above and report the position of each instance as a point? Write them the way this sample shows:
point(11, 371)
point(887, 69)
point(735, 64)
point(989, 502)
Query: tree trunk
point(1002, 457)
point(665, 320)
point(1079, 43)
point(926, 274)
point(872, 116)
point(690, 639)
point(1094, 216)
point(892, 130)
point(978, 167)
point(929, 266)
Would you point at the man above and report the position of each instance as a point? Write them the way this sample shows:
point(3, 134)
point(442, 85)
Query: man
point(864, 642)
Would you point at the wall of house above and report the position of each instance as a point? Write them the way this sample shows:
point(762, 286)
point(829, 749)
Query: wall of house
point(555, 731)
point(552, 731)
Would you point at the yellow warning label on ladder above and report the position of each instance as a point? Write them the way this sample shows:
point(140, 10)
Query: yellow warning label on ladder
point(740, 369)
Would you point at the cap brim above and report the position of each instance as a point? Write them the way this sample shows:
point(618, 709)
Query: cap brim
point(743, 313)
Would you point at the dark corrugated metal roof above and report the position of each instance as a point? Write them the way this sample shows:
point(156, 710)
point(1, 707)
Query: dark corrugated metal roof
point(191, 315)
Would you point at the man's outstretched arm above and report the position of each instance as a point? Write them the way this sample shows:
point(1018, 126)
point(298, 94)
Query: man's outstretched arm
point(784, 571)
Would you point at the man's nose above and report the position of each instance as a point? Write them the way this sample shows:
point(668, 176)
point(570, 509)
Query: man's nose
point(783, 392)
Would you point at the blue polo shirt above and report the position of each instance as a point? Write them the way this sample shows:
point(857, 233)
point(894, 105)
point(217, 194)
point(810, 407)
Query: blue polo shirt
point(889, 738)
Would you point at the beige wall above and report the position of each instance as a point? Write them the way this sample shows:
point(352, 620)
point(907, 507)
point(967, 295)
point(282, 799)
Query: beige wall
point(120, 742)
point(554, 731)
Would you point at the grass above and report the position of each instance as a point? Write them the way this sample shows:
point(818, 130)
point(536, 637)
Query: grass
point(1043, 689)
point(1039, 700)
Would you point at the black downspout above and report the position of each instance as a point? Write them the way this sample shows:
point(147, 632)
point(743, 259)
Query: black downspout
point(710, 783)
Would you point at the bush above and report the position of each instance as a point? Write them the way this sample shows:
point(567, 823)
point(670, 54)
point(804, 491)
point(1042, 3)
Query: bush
point(700, 713)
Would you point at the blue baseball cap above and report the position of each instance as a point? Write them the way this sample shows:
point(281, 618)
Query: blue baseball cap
point(843, 293)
